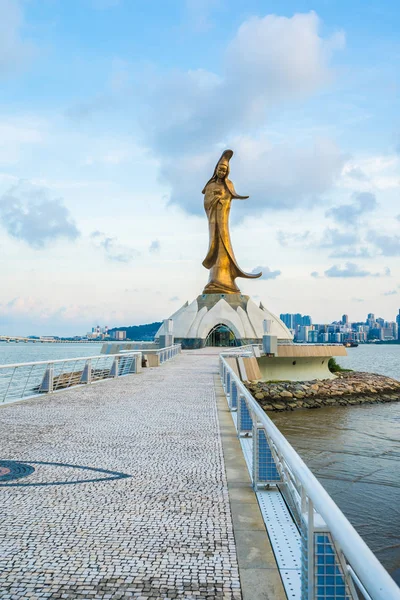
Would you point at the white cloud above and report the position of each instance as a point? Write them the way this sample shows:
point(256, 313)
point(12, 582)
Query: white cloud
point(286, 238)
point(349, 214)
point(27, 315)
point(30, 214)
point(267, 273)
point(333, 238)
point(277, 58)
point(114, 250)
point(389, 245)
point(191, 115)
point(378, 173)
point(353, 270)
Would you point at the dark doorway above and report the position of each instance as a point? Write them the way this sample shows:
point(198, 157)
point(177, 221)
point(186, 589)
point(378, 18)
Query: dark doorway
point(221, 335)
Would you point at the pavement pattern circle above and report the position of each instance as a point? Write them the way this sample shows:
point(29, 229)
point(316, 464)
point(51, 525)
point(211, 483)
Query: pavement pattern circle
point(11, 470)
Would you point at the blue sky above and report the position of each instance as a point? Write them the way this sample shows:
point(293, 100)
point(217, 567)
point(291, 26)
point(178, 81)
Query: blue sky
point(113, 114)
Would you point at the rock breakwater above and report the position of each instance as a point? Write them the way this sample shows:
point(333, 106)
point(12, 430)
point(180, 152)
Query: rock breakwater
point(346, 389)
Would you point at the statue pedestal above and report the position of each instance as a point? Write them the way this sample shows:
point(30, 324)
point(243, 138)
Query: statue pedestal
point(193, 323)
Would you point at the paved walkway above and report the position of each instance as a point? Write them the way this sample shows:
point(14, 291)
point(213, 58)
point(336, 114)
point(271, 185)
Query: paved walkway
point(129, 495)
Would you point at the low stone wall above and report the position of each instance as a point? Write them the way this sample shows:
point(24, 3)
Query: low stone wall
point(346, 389)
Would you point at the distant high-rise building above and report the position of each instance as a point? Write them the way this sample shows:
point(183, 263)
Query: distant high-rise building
point(119, 335)
point(287, 318)
point(295, 320)
point(313, 336)
point(398, 325)
point(345, 319)
point(302, 335)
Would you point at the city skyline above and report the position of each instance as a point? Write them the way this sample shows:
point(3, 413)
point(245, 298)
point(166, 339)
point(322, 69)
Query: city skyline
point(344, 330)
point(114, 114)
point(302, 320)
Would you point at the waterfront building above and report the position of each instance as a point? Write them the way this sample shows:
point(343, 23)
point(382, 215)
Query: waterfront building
point(302, 335)
point(119, 335)
point(295, 320)
point(287, 318)
point(313, 336)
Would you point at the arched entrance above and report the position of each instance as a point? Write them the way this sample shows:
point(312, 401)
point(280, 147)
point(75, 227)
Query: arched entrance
point(221, 335)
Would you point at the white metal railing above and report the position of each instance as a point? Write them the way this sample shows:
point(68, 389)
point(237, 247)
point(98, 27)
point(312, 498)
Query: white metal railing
point(240, 349)
point(335, 562)
point(165, 354)
point(25, 380)
point(117, 347)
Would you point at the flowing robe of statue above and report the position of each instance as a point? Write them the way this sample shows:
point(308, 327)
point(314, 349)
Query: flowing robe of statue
point(220, 260)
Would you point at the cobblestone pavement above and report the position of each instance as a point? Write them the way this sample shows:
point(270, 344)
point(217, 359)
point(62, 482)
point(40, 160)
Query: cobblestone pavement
point(68, 530)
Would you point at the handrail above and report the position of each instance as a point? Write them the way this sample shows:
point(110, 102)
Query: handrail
point(163, 354)
point(27, 380)
point(371, 573)
point(64, 360)
point(174, 347)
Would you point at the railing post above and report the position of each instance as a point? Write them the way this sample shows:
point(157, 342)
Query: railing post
point(136, 365)
point(323, 573)
point(244, 422)
point(264, 467)
point(87, 372)
point(223, 375)
point(47, 384)
point(227, 383)
point(115, 367)
point(307, 549)
point(233, 396)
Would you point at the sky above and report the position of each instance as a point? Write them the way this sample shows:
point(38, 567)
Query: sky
point(113, 114)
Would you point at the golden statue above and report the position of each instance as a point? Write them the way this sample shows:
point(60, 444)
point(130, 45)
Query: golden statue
point(218, 193)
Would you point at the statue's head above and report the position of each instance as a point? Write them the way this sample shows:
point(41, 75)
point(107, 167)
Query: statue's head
point(222, 168)
point(221, 171)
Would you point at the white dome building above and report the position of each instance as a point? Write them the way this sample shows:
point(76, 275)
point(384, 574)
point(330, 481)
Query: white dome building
point(223, 320)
